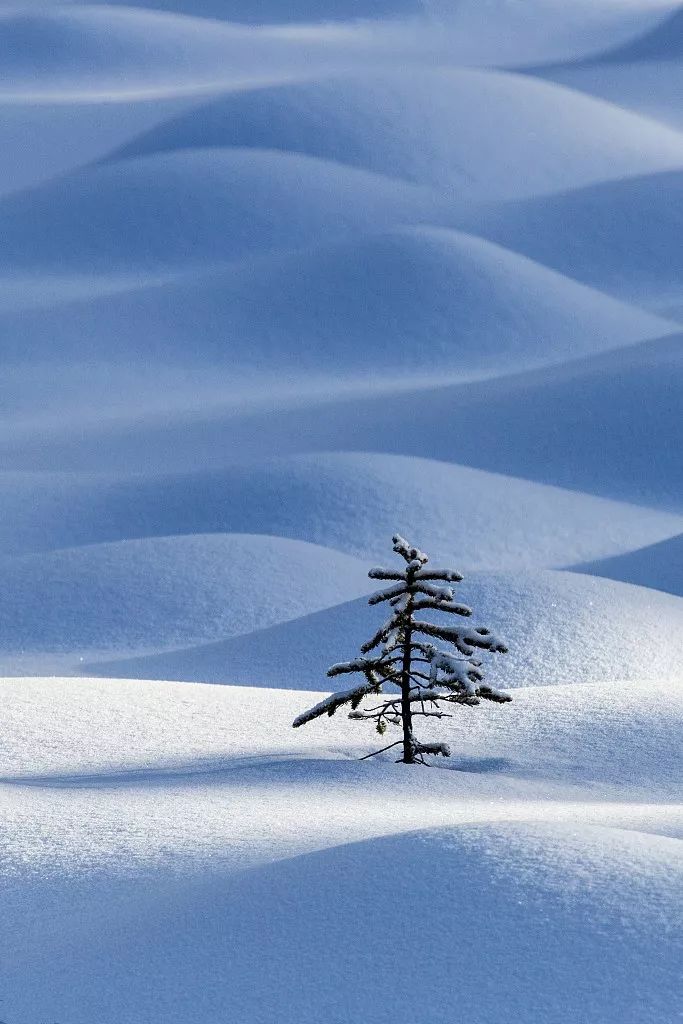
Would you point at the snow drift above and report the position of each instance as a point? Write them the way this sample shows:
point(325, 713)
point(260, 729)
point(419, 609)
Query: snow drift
point(481, 134)
point(560, 627)
point(352, 311)
point(165, 592)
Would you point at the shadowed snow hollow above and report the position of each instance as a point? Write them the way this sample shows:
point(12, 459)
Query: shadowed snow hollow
point(657, 565)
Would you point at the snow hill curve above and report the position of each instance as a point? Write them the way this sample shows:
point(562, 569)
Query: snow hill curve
point(651, 88)
point(576, 737)
point(353, 310)
point(542, 31)
point(622, 237)
point(602, 425)
point(562, 628)
point(657, 565)
point(603, 948)
point(175, 211)
point(350, 501)
point(165, 591)
point(83, 52)
point(480, 134)
point(664, 42)
point(263, 12)
point(39, 142)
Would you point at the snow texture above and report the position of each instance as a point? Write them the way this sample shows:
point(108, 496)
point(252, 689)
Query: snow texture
point(562, 628)
point(276, 282)
point(148, 807)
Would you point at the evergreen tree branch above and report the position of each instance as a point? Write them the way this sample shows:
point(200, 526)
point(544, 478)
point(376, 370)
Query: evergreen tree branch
point(330, 704)
point(465, 639)
point(389, 594)
point(442, 606)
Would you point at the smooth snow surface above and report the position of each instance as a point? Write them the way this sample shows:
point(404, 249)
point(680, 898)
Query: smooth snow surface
point(345, 500)
point(316, 314)
point(164, 592)
point(148, 809)
point(229, 203)
point(620, 236)
point(649, 87)
point(482, 134)
point(608, 425)
point(277, 281)
point(657, 565)
point(566, 628)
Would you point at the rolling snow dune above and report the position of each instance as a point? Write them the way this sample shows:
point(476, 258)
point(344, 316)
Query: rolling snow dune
point(100, 733)
point(145, 802)
point(354, 310)
point(85, 53)
point(194, 208)
point(561, 628)
point(165, 592)
point(42, 141)
point(59, 53)
point(497, 32)
point(663, 42)
point(258, 12)
point(560, 946)
point(483, 134)
point(657, 565)
point(651, 88)
point(608, 425)
point(352, 501)
point(275, 282)
point(621, 236)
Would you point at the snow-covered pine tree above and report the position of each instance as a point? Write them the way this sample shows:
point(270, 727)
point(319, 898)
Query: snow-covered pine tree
point(405, 657)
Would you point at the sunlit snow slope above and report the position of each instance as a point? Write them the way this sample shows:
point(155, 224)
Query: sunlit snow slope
point(275, 282)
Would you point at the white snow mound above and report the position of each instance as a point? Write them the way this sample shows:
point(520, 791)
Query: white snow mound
point(560, 628)
point(481, 134)
point(163, 592)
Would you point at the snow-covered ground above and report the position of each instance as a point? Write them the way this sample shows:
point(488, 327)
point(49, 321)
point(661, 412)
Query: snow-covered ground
point(176, 852)
point(275, 282)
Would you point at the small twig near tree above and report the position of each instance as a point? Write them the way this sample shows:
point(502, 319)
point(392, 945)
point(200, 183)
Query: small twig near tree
point(400, 646)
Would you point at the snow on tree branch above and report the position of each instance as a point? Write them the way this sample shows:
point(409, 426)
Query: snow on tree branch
point(432, 748)
point(357, 665)
point(330, 704)
point(439, 593)
point(442, 606)
point(464, 638)
point(449, 575)
point(389, 594)
point(465, 673)
point(410, 553)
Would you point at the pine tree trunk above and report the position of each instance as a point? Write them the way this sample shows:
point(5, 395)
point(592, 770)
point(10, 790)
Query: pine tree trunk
point(406, 713)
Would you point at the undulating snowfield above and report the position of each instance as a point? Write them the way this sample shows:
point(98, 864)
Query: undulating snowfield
point(277, 280)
